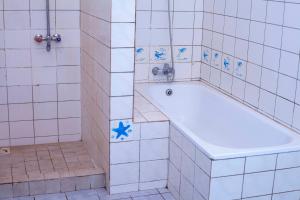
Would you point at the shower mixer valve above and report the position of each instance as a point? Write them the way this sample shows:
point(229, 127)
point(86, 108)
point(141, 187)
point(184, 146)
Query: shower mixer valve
point(167, 71)
point(40, 38)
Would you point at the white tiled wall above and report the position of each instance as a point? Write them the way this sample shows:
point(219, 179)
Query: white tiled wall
point(39, 90)
point(153, 43)
point(251, 51)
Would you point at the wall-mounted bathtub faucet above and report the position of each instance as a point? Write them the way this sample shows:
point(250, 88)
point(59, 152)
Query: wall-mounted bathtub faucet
point(167, 71)
point(40, 38)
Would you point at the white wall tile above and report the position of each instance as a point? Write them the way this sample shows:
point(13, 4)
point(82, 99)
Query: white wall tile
point(121, 107)
point(19, 112)
point(124, 152)
point(42, 93)
point(16, 4)
point(288, 160)
point(227, 167)
point(23, 56)
point(3, 113)
point(260, 163)
point(68, 92)
point(121, 84)
point(4, 127)
point(230, 187)
point(122, 59)
point(286, 196)
point(46, 127)
point(69, 109)
point(124, 173)
point(258, 184)
point(123, 11)
point(20, 94)
point(154, 149)
point(122, 35)
point(153, 170)
point(68, 74)
point(284, 110)
point(45, 110)
point(287, 180)
point(69, 126)
point(16, 20)
point(21, 129)
point(154, 130)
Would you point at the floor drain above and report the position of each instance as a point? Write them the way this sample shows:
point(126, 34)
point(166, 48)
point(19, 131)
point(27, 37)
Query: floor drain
point(4, 151)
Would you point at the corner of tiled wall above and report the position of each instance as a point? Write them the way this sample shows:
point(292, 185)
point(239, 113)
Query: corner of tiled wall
point(153, 41)
point(39, 90)
point(121, 98)
point(95, 85)
point(251, 52)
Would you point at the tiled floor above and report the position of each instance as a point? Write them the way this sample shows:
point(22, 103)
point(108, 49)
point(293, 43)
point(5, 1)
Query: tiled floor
point(26, 163)
point(101, 194)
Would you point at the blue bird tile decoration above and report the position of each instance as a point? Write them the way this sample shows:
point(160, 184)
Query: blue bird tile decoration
point(160, 54)
point(181, 54)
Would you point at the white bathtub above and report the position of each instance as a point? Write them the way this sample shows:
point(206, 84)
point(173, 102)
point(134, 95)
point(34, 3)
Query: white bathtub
point(218, 125)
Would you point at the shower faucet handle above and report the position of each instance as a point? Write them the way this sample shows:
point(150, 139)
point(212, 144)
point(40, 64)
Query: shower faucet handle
point(56, 37)
point(39, 38)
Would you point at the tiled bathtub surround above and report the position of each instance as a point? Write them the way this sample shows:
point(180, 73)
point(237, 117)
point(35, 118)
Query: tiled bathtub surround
point(144, 111)
point(251, 51)
point(140, 161)
point(193, 175)
point(39, 90)
point(152, 38)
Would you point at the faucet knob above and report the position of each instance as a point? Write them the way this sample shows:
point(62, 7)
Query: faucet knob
point(56, 37)
point(39, 38)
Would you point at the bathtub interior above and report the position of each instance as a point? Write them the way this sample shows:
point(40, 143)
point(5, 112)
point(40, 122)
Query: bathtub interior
point(222, 126)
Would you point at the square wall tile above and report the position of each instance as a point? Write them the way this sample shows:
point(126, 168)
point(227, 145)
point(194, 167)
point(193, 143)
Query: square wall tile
point(153, 170)
point(123, 11)
point(124, 173)
point(124, 152)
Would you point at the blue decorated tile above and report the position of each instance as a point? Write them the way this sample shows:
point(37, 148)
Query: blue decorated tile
point(160, 54)
point(141, 55)
point(183, 54)
point(122, 130)
point(227, 64)
point(240, 69)
point(216, 59)
point(206, 55)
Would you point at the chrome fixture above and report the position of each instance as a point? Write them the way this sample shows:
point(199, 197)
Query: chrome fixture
point(169, 92)
point(40, 38)
point(167, 71)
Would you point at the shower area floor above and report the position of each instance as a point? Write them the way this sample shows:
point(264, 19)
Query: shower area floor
point(48, 168)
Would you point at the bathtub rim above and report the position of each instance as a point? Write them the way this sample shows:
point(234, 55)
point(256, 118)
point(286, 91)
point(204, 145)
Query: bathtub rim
point(215, 152)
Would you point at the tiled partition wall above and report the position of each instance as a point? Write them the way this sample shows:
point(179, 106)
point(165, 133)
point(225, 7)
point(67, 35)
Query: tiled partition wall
point(107, 53)
point(95, 75)
point(153, 43)
point(194, 176)
point(121, 92)
point(39, 90)
point(251, 51)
